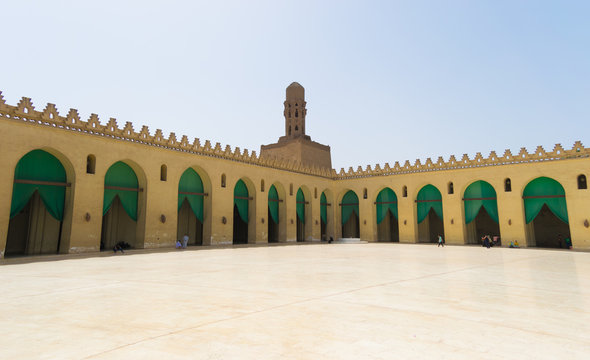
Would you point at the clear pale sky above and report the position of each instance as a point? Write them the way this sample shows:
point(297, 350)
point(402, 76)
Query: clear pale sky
point(385, 81)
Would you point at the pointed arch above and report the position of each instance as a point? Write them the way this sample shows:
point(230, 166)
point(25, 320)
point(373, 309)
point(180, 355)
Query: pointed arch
point(386, 200)
point(429, 197)
point(39, 171)
point(190, 187)
point(544, 191)
point(121, 181)
point(480, 194)
point(41, 202)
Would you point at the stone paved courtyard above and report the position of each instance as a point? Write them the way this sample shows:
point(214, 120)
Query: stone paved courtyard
point(338, 301)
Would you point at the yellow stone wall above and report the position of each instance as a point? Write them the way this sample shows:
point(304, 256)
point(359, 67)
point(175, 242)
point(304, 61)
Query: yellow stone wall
point(71, 140)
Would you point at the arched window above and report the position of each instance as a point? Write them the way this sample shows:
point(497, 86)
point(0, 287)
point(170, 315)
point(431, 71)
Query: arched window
point(222, 180)
point(405, 191)
point(90, 164)
point(296, 112)
point(451, 188)
point(364, 193)
point(262, 185)
point(582, 182)
point(296, 128)
point(163, 173)
point(291, 189)
point(507, 185)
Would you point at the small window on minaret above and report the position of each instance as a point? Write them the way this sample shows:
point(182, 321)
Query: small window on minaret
point(296, 128)
point(296, 113)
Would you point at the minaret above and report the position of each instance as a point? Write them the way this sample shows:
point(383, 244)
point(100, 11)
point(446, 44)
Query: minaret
point(295, 146)
point(295, 111)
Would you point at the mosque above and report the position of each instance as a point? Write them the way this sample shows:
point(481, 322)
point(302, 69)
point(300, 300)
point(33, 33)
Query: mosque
point(74, 186)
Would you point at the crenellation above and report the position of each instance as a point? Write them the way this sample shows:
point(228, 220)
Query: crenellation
point(197, 145)
point(25, 107)
point(128, 130)
point(578, 146)
point(158, 137)
point(227, 152)
point(172, 140)
point(478, 158)
point(184, 142)
point(93, 123)
point(111, 127)
point(50, 112)
point(144, 134)
point(50, 116)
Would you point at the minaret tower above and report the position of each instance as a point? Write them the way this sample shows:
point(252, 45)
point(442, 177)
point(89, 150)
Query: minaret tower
point(295, 111)
point(295, 146)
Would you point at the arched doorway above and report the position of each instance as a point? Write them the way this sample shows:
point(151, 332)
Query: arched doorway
point(429, 214)
point(37, 207)
point(190, 207)
point(119, 212)
point(273, 214)
point(324, 216)
point(350, 215)
point(481, 212)
point(301, 204)
point(241, 205)
point(387, 223)
point(546, 213)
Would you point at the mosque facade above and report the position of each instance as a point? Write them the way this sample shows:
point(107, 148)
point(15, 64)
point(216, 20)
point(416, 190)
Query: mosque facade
point(75, 186)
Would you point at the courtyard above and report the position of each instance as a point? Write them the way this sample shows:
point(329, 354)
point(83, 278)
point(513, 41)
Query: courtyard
point(317, 301)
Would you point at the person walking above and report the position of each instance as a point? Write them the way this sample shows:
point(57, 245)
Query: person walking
point(441, 242)
point(185, 241)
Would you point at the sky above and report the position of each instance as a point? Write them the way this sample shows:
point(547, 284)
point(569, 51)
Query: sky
point(384, 81)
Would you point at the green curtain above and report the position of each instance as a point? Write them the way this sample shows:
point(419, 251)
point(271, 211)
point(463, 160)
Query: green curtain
point(39, 165)
point(242, 191)
point(480, 189)
point(190, 181)
point(386, 196)
point(429, 192)
point(324, 208)
point(300, 198)
point(545, 186)
point(121, 175)
point(273, 206)
point(347, 210)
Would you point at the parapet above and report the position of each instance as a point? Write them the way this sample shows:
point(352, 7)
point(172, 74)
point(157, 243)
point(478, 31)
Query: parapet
point(25, 112)
point(540, 155)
